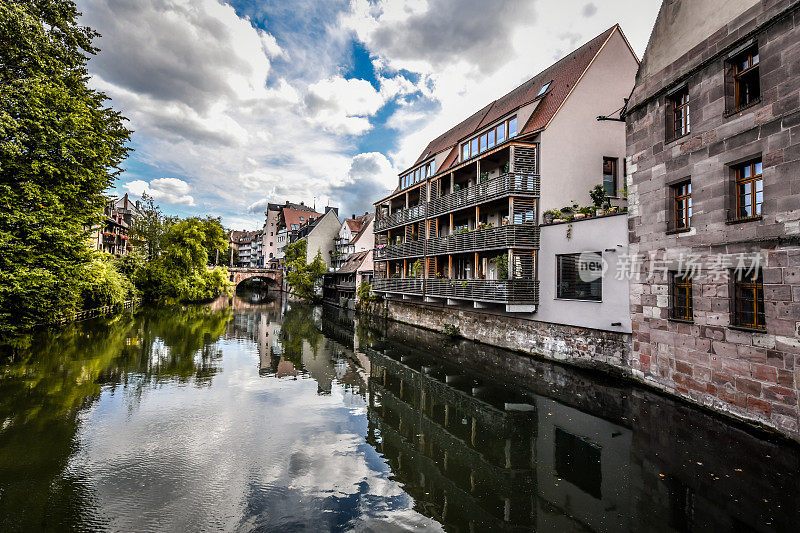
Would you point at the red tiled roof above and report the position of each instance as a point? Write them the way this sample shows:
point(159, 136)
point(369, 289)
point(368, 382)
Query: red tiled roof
point(293, 216)
point(563, 76)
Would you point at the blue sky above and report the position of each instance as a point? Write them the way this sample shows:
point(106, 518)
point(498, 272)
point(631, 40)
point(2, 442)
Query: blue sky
point(242, 103)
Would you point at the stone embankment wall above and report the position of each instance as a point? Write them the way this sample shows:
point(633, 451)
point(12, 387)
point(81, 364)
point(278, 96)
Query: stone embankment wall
point(584, 347)
point(605, 351)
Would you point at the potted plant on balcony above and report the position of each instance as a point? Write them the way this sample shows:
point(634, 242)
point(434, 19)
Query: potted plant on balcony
point(416, 268)
point(551, 215)
point(598, 195)
point(484, 177)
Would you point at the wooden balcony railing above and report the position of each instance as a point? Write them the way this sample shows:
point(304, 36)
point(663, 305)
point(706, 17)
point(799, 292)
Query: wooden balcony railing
point(518, 236)
point(505, 185)
point(494, 291)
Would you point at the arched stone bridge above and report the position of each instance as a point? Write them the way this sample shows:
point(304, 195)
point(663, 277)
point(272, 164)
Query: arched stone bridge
point(239, 274)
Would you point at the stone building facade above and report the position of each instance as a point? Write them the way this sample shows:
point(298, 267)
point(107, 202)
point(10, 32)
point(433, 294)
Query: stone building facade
point(713, 129)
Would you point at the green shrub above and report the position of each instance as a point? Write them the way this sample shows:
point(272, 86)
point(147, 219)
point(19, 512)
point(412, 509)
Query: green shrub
point(101, 284)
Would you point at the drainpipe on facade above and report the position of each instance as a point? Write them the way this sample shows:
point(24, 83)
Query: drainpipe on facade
point(425, 242)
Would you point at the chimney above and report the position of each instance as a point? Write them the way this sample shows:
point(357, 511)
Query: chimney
point(353, 216)
point(287, 202)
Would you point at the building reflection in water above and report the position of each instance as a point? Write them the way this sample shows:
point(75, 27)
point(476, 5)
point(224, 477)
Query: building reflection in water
point(485, 439)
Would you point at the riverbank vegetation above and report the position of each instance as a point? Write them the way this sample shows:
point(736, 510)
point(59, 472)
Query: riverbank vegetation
point(61, 147)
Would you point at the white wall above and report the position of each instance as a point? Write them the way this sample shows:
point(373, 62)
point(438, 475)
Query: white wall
point(589, 235)
point(575, 142)
point(321, 237)
point(366, 241)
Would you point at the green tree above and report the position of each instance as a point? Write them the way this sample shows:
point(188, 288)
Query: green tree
point(303, 278)
point(180, 272)
point(60, 148)
point(149, 226)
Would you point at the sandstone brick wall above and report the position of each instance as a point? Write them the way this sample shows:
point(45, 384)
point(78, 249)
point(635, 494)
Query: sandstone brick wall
point(751, 375)
point(579, 346)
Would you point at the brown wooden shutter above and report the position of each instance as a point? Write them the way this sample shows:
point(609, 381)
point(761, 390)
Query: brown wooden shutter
point(669, 119)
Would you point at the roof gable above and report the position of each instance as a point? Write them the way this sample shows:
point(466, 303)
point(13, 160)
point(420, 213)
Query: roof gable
point(562, 76)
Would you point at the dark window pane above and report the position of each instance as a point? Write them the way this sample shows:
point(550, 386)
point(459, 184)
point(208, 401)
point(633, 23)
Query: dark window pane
point(571, 285)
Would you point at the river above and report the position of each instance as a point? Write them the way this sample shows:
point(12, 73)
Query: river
point(256, 414)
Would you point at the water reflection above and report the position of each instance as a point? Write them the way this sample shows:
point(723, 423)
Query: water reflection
point(254, 413)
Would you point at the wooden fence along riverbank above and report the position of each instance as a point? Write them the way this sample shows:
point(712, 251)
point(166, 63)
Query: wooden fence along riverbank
point(99, 311)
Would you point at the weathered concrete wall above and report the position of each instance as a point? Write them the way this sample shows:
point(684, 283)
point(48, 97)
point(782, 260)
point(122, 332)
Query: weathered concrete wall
point(589, 348)
point(750, 374)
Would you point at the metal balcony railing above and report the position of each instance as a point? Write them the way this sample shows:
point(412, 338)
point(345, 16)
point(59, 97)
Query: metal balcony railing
point(518, 236)
point(400, 251)
point(401, 218)
point(504, 185)
point(494, 291)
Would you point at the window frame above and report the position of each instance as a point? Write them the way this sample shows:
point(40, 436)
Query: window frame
point(615, 168)
point(681, 285)
point(736, 77)
point(752, 181)
point(754, 285)
point(560, 295)
point(679, 195)
point(680, 113)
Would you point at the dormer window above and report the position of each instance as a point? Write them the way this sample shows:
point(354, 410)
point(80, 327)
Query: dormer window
point(544, 89)
point(489, 139)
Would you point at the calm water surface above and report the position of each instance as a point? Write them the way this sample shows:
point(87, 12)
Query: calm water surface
point(254, 414)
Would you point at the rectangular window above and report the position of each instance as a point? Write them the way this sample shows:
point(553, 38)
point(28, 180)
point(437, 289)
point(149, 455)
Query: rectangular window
point(512, 127)
point(681, 296)
point(746, 82)
point(465, 151)
point(749, 189)
point(679, 108)
point(491, 138)
point(484, 142)
point(474, 146)
point(682, 205)
point(578, 279)
point(610, 176)
point(501, 133)
point(748, 300)
point(433, 167)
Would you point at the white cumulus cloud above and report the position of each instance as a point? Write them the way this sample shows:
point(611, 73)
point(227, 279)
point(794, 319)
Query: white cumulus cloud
point(168, 190)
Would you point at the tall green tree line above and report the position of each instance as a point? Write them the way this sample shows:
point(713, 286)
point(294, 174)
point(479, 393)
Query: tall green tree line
point(60, 147)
